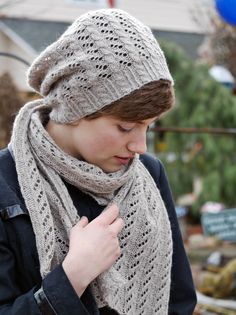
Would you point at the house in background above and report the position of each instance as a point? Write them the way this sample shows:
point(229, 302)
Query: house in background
point(23, 39)
point(27, 27)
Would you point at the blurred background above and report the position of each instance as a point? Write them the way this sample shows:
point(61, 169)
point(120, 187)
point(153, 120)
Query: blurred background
point(196, 141)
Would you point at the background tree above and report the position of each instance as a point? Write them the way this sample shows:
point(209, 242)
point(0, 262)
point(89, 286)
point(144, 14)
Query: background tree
point(200, 102)
point(10, 102)
point(219, 46)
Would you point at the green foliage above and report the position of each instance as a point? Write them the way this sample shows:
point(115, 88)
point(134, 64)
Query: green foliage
point(200, 102)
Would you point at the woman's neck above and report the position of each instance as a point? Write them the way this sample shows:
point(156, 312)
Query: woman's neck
point(60, 133)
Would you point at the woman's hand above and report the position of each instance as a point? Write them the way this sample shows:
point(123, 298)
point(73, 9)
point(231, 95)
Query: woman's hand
point(94, 247)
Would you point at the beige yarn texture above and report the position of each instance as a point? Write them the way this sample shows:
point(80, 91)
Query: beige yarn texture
point(139, 282)
point(103, 56)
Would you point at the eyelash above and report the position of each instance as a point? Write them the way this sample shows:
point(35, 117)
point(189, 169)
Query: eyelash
point(122, 129)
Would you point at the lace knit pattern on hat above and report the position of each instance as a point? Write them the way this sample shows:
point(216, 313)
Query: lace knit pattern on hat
point(139, 281)
point(103, 56)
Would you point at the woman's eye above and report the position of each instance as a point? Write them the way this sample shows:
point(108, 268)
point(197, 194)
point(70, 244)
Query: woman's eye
point(124, 129)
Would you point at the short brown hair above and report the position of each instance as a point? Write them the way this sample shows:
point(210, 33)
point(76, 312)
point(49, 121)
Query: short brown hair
point(152, 100)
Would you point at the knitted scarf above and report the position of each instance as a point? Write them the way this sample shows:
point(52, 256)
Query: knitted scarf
point(139, 281)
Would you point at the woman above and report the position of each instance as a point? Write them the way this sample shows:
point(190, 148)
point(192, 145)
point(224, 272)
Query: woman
point(87, 220)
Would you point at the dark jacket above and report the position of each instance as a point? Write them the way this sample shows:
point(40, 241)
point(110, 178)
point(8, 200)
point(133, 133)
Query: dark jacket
point(20, 278)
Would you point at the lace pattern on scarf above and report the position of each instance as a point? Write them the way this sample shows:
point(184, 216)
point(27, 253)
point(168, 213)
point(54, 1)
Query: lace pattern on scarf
point(139, 281)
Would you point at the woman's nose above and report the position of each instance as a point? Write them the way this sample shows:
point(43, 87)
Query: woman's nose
point(138, 145)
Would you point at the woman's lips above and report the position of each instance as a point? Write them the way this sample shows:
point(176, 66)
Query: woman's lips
point(123, 160)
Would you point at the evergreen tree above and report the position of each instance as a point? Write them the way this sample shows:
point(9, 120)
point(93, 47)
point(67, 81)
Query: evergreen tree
point(200, 102)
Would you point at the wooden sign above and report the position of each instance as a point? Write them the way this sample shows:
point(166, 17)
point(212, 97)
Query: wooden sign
point(221, 224)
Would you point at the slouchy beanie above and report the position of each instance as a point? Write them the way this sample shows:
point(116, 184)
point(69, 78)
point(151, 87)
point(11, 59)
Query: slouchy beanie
point(103, 56)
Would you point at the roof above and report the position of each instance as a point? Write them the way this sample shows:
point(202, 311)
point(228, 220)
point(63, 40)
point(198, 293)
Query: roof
point(168, 15)
point(36, 34)
point(26, 33)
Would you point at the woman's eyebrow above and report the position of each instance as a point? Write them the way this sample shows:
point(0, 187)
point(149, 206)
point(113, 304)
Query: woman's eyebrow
point(143, 122)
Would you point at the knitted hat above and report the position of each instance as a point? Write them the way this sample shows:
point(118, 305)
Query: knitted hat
point(103, 56)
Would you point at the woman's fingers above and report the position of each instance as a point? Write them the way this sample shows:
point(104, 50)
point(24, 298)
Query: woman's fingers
point(82, 263)
point(108, 216)
point(117, 226)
